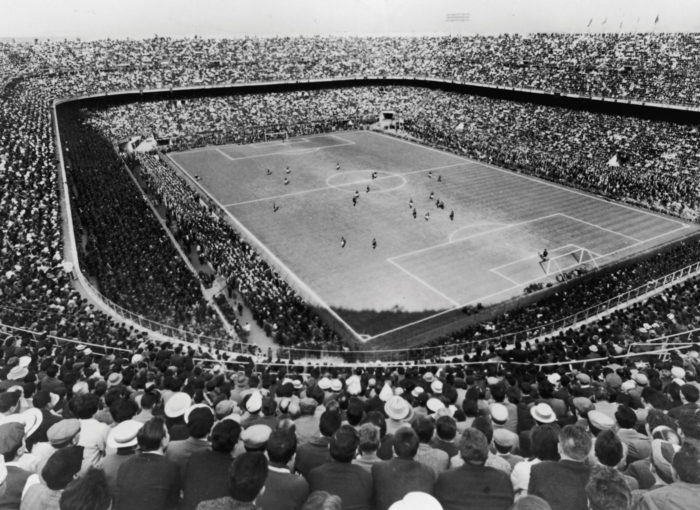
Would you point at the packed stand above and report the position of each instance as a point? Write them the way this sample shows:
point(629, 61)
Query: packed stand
point(191, 118)
point(154, 429)
point(125, 248)
point(672, 311)
point(270, 299)
point(37, 294)
point(643, 66)
point(274, 304)
point(646, 163)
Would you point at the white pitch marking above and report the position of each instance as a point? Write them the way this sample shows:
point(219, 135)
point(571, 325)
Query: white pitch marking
point(276, 261)
point(455, 232)
point(497, 273)
point(423, 282)
point(602, 228)
point(295, 152)
point(533, 179)
point(478, 234)
point(551, 252)
point(276, 197)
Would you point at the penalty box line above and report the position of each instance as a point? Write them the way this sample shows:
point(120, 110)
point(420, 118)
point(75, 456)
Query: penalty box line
point(536, 179)
point(554, 252)
point(422, 282)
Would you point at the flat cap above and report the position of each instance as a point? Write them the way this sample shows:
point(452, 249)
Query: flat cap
point(63, 431)
point(255, 437)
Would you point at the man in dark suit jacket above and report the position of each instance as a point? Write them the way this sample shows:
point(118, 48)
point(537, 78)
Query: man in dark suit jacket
point(315, 453)
point(11, 436)
point(148, 479)
point(199, 423)
point(474, 486)
point(393, 479)
point(206, 474)
point(352, 483)
point(283, 489)
point(563, 484)
point(42, 401)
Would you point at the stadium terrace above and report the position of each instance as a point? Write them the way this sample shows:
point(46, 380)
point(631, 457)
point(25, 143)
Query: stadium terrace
point(387, 264)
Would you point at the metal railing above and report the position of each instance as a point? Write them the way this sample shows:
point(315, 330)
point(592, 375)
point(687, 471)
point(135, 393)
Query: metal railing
point(460, 348)
point(669, 343)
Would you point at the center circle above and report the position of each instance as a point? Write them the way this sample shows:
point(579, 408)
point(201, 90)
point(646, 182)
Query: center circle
point(354, 179)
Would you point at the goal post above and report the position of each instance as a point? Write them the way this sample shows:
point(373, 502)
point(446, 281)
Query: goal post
point(567, 261)
point(271, 136)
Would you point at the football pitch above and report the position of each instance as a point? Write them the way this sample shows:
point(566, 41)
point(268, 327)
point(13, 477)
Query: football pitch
point(294, 203)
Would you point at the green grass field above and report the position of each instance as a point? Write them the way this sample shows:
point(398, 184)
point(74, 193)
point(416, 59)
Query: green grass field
point(420, 267)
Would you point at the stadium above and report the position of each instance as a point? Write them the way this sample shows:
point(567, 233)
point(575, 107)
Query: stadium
point(416, 271)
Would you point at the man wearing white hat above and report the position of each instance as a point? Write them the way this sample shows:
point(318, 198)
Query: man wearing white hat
point(399, 413)
point(199, 419)
point(417, 501)
point(122, 440)
point(175, 409)
point(543, 414)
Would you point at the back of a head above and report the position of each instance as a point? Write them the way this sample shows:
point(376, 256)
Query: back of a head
point(625, 417)
point(608, 448)
point(61, 467)
point(344, 443)
point(269, 406)
point(247, 476)
point(149, 399)
point(123, 409)
point(369, 437)
point(607, 489)
point(200, 422)
point(446, 428)
point(355, 412)
point(484, 425)
point(84, 406)
point(473, 447)
point(425, 428)
point(686, 463)
point(330, 422)
point(376, 418)
point(498, 392)
point(406, 443)
point(322, 500)
point(281, 446)
point(690, 392)
point(575, 442)
point(151, 435)
point(89, 492)
point(224, 436)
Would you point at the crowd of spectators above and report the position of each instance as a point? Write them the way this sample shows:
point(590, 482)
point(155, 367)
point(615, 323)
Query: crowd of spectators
point(672, 311)
point(138, 424)
point(274, 304)
point(36, 289)
point(125, 248)
point(279, 310)
point(153, 428)
point(644, 66)
point(648, 163)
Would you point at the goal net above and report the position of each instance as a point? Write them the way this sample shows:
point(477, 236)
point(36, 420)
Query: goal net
point(562, 262)
point(276, 135)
